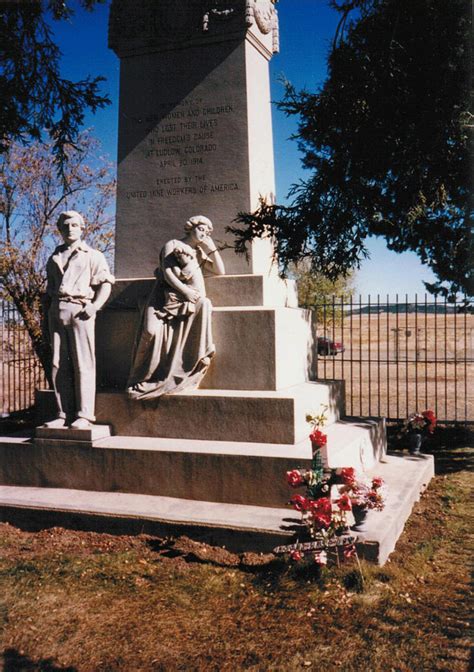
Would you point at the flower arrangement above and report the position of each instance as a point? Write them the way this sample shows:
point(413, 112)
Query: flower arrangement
point(424, 422)
point(326, 515)
point(419, 427)
point(364, 493)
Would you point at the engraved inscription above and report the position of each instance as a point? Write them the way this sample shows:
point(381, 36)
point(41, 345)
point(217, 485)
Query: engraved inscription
point(183, 137)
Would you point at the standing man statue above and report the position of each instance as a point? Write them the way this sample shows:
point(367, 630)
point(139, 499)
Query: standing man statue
point(79, 284)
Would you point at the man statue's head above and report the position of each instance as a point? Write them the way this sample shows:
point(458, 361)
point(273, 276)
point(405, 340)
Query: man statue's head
point(70, 225)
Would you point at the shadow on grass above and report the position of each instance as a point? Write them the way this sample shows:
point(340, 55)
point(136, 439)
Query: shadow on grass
point(450, 446)
point(450, 462)
point(13, 661)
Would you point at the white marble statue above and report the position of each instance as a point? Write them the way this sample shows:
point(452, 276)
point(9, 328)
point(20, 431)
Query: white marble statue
point(79, 284)
point(174, 343)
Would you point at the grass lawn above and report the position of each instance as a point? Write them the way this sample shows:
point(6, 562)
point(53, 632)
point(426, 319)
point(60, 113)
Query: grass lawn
point(93, 602)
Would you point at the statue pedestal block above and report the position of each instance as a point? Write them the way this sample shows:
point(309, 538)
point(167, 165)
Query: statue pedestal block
point(88, 435)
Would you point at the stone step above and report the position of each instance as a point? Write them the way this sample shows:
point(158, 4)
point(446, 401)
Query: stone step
point(223, 290)
point(219, 471)
point(406, 477)
point(257, 348)
point(215, 415)
point(355, 442)
point(239, 527)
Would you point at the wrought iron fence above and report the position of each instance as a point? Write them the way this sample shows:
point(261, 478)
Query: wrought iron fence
point(20, 370)
point(399, 356)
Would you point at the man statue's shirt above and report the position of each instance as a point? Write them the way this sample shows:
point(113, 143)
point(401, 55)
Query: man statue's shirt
point(74, 270)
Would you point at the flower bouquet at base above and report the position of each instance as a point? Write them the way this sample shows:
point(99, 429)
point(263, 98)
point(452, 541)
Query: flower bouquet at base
point(365, 493)
point(419, 427)
point(327, 527)
point(331, 497)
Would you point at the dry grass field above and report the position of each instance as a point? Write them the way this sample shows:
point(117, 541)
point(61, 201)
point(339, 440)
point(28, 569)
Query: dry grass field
point(394, 365)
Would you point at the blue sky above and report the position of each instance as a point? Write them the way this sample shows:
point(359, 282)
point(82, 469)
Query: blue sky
point(306, 30)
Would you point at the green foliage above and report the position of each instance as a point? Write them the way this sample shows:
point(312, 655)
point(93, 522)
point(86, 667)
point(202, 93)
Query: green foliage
point(35, 97)
point(386, 142)
point(315, 289)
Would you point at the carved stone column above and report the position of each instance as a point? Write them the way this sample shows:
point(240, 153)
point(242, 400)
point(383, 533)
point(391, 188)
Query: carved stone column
point(195, 132)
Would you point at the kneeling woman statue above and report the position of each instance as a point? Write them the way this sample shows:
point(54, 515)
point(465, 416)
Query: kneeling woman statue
point(174, 344)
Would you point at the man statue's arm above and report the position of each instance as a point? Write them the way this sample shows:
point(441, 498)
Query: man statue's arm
point(102, 294)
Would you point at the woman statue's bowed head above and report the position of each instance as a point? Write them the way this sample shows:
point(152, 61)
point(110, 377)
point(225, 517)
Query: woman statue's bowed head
point(174, 343)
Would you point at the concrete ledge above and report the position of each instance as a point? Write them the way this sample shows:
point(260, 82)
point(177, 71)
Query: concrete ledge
point(218, 471)
point(406, 477)
point(89, 435)
point(238, 528)
point(224, 290)
point(355, 442)
point(130, 468)
point(214, 415)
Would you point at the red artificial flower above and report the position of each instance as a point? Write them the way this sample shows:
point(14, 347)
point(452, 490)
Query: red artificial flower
point(348, 475)
point(321, 511)
point(344, 502)
point(430, 418)
point(377, 482)
point(318, 438)
point(296, 556)
point(321, 521)
point(321, 505)
point(294, 478)
point(300, 503)
point(349, 551)
point(321, 558)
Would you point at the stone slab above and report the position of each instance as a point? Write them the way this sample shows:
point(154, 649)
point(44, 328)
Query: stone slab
point(257, 348)
point(219, 471)
point(215, 415)
point(251, 290)
point(356, 442)
point(185, 126)
point(239, 527)
point(261, 348)
point(223, 290)
point(90, 434)
point(406, 477)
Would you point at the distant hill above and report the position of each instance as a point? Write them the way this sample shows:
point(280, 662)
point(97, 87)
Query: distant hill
point(430, 309)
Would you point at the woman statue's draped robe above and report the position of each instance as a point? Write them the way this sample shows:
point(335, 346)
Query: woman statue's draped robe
point(174, 343)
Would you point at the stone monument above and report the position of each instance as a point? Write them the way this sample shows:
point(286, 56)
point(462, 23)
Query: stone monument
point(195, 128)
point(195, 137)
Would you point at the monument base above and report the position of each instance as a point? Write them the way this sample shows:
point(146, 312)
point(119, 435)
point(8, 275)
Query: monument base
point(214, 415)
point(232, 472)
point(238, 527)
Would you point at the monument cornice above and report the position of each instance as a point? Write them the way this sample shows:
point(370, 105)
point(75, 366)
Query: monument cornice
point(151, 26)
